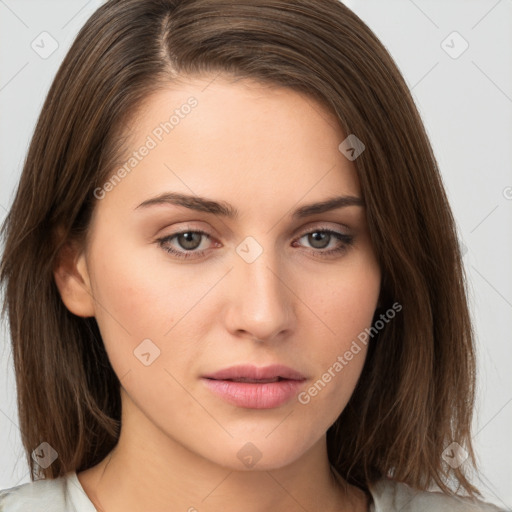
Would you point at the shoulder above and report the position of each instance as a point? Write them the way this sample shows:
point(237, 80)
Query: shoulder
point(46, 495)
point(390, 495)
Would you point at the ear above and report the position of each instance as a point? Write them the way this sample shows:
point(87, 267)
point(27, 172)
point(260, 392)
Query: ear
point(72, 279)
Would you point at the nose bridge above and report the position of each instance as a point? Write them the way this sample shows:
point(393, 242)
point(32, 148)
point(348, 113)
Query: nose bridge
point(262, 304)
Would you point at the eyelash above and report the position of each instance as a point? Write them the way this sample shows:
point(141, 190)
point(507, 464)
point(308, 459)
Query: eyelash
point(347, 241)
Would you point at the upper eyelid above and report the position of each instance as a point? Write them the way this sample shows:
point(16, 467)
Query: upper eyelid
point(298, 235)
point(318, 225)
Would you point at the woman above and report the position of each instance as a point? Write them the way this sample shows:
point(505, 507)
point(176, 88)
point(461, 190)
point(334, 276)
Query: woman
point(232, 274)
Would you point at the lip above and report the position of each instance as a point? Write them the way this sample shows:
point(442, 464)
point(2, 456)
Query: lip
point(255, 395)
point(249, 371)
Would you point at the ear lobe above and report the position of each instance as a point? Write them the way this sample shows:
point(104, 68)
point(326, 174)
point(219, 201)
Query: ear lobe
point(72, 279)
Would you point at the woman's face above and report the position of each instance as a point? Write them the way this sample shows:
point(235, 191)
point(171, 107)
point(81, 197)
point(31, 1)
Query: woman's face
point(266, 286)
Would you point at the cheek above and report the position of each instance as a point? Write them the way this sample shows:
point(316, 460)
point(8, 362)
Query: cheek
point(346, 300)
point(137, 290)
point(132, 304)
point(140, 297)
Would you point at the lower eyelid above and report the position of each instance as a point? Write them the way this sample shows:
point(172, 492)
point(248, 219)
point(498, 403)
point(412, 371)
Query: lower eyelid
point(336, 234)
point(345, 239)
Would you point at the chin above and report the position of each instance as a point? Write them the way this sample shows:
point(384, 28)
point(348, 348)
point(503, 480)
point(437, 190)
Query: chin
point(258, 453)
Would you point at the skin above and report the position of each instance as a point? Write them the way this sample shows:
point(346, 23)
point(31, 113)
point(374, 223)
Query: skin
point(266, 151)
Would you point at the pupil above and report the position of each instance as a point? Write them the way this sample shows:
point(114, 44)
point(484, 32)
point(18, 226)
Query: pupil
point(188, 239)
point(319, 237)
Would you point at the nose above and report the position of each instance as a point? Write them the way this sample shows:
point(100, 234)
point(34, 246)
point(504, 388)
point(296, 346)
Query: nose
point(261, 303)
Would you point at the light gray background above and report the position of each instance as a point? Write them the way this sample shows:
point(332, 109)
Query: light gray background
point(466, 104)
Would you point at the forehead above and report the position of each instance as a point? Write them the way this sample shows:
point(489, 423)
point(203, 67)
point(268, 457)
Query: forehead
point(207, 135)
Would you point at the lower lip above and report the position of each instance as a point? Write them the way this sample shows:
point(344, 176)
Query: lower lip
point(255, 396)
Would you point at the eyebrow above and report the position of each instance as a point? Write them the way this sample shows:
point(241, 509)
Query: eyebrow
point(202, 204)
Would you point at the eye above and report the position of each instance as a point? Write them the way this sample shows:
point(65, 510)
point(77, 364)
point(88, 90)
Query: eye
point(187, 242)
point(322, 238)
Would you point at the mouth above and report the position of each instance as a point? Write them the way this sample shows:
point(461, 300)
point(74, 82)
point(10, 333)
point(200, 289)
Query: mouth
point(251, 387)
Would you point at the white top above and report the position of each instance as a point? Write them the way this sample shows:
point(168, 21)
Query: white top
point(66, 494)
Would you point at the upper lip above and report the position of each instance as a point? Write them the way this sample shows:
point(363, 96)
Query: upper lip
point(256, 373)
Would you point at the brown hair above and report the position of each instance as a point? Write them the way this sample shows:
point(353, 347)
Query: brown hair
point(416, 393)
